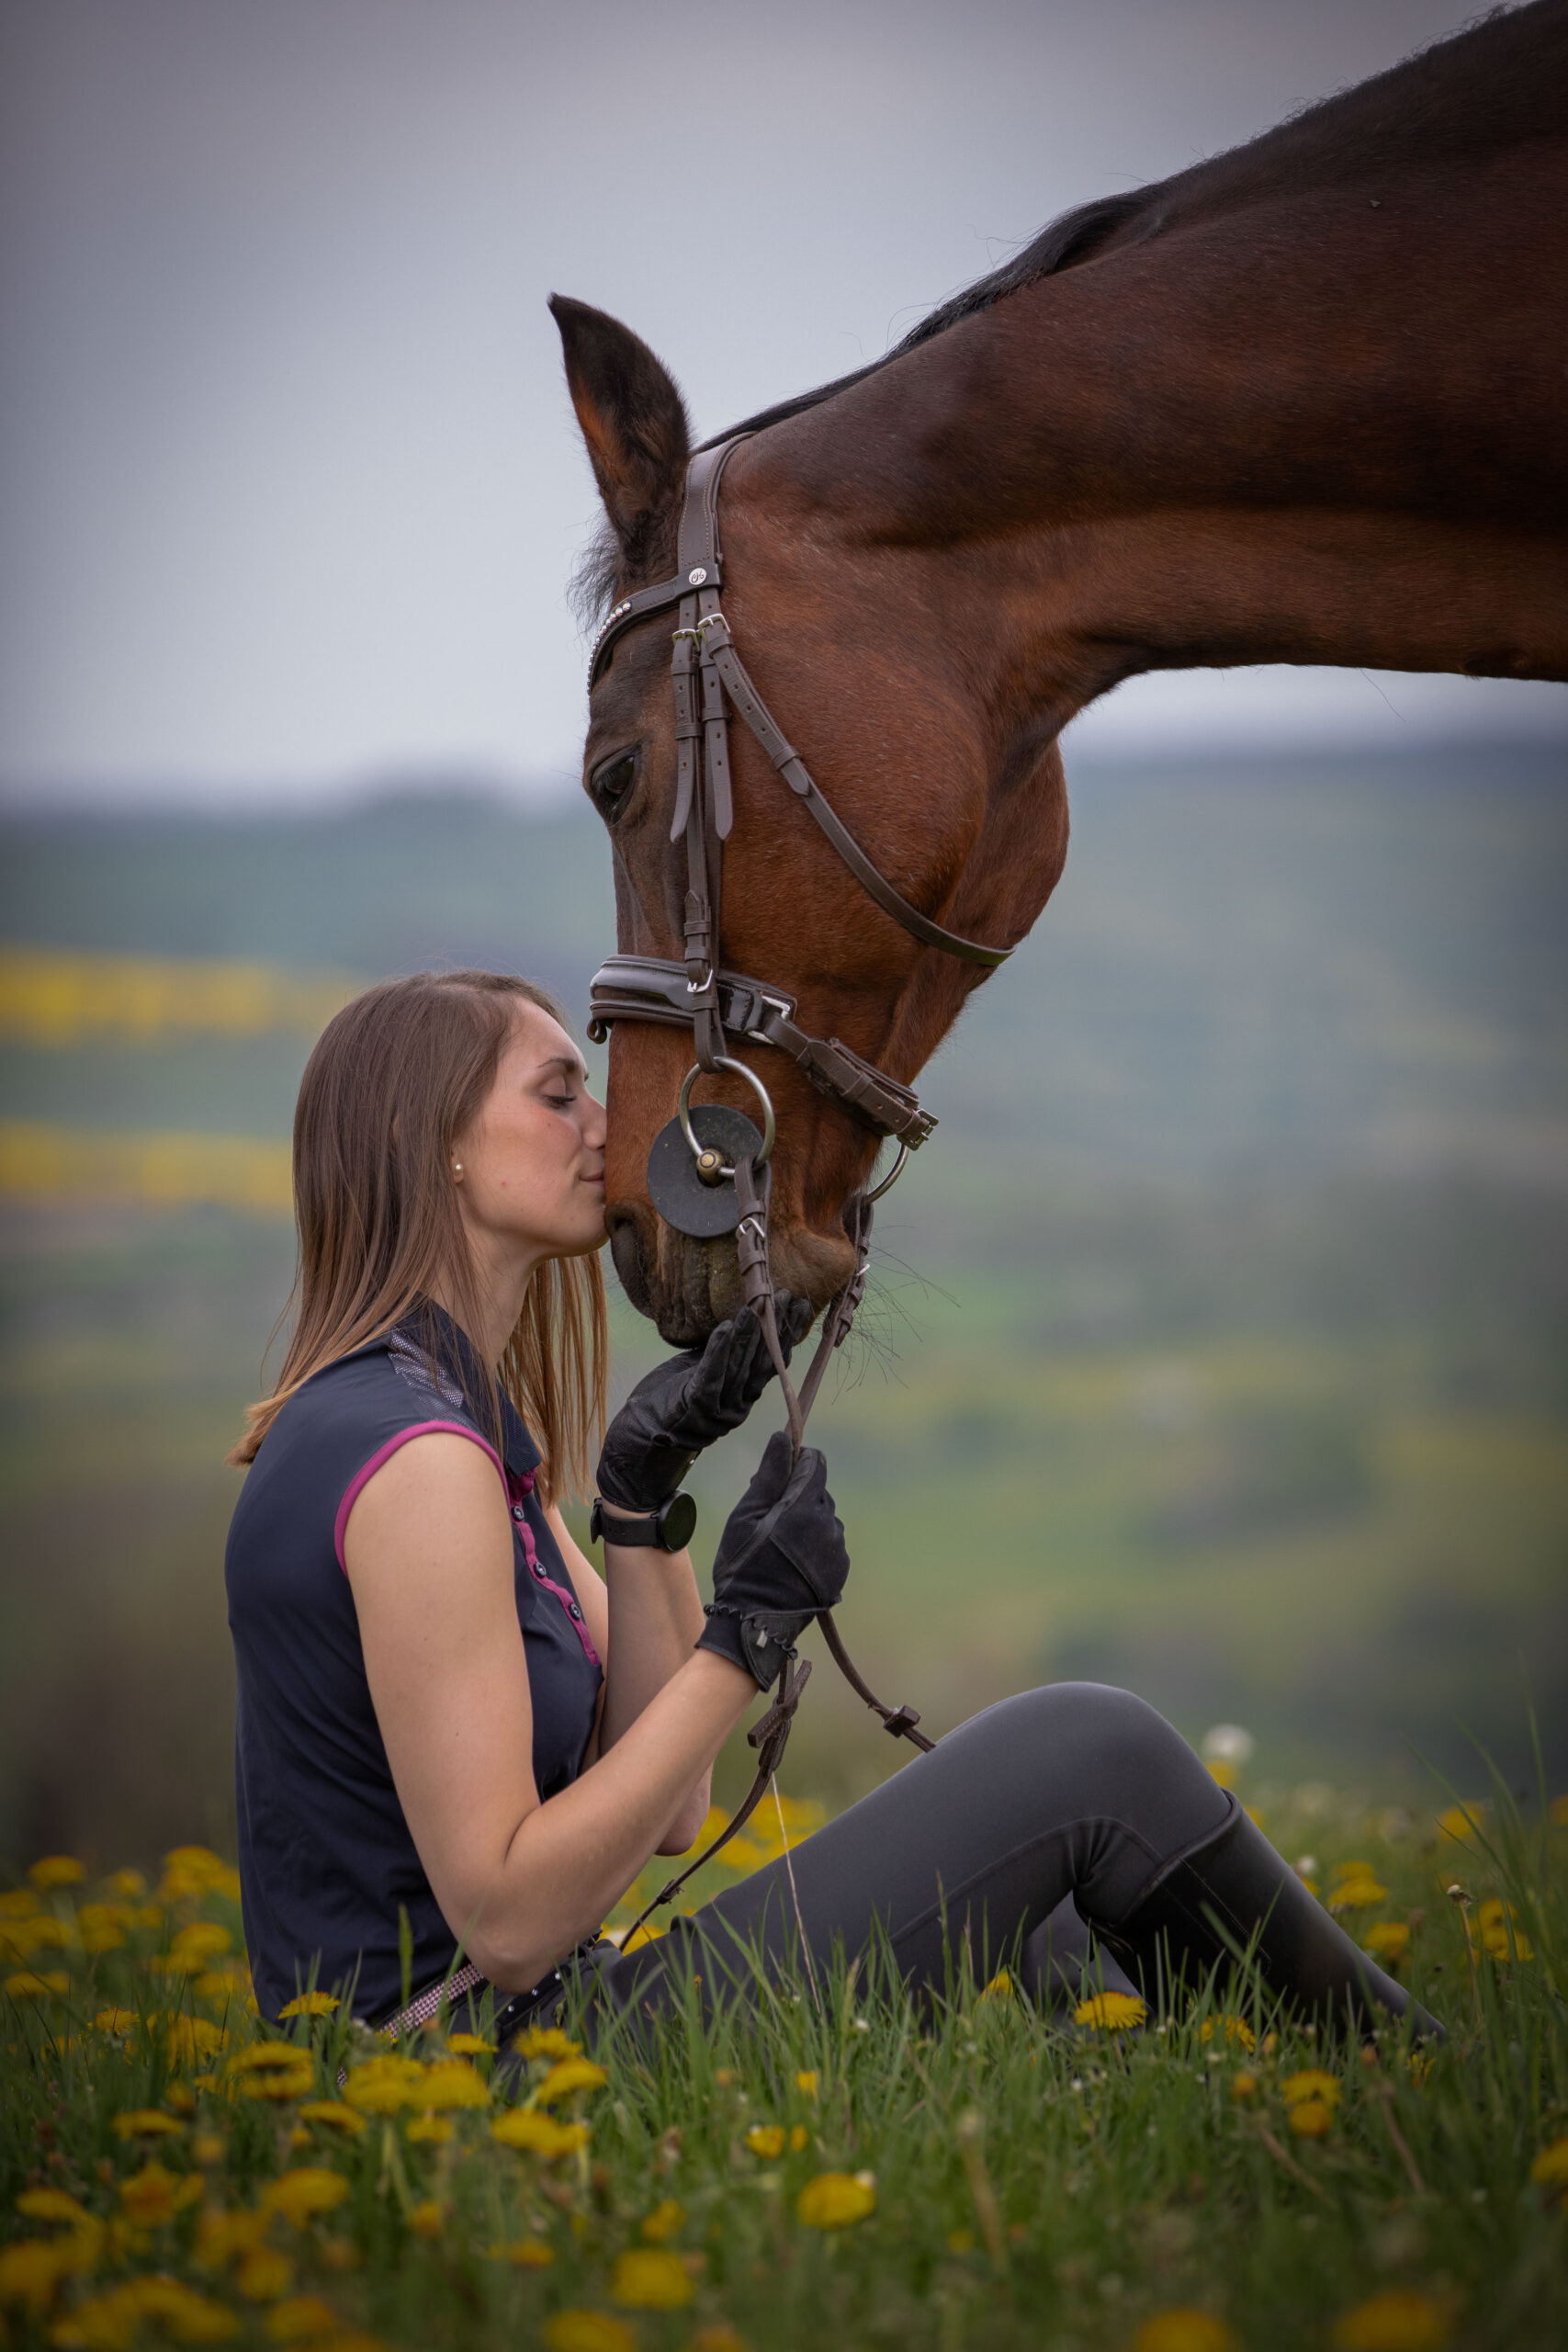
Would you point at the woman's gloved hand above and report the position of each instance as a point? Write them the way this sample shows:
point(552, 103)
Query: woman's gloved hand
point(781, 1559)
point(684, 1405)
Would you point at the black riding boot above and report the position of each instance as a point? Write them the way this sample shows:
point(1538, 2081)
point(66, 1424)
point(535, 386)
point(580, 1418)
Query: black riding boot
point(1235, 1894)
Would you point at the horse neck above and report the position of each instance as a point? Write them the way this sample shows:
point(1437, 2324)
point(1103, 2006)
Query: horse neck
point(1314, 424)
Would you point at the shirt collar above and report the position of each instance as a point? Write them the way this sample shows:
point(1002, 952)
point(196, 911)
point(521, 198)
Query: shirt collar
point(432, 1330)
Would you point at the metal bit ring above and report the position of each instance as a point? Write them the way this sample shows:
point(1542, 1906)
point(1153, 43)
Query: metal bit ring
point(683, 1110)
point(891, 1178)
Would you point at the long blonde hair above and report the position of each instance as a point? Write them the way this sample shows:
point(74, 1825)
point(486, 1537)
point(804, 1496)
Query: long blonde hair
point(394, 1080)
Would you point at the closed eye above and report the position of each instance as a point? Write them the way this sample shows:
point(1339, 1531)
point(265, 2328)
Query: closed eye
point(611, 783)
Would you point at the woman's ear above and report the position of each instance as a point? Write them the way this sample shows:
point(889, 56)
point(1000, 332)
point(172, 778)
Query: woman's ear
point(634, 423)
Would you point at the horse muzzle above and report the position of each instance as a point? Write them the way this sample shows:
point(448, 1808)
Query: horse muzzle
point(686, 1285)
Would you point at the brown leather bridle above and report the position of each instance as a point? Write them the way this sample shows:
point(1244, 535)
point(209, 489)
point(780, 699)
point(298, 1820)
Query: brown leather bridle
point(708, 675)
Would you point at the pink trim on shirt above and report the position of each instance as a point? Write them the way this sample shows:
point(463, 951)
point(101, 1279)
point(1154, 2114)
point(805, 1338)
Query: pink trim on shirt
point(362, 1477)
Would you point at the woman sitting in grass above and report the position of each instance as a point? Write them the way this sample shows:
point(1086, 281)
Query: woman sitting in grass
point(447, 1718)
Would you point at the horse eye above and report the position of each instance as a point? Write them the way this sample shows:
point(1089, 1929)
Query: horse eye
point(611, 785)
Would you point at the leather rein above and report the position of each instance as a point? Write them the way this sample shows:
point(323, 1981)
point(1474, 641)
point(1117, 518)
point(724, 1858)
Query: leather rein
point(708, 677)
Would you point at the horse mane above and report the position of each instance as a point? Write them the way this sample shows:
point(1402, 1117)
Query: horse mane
point(1434, 106)
point(1429, 104)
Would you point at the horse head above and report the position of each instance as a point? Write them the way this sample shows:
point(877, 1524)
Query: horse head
point(850, 637)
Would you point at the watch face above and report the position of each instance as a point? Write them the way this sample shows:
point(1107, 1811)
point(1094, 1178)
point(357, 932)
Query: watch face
point(680, 1522)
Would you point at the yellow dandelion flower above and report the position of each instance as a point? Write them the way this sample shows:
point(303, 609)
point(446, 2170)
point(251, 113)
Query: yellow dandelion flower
point(152, 2195)
point(834, 2199)
point(664, 2221)
point(1499, 1935)
point(1112, 2012)
point(961, 2240)
point(474, 2046)
point(18, 1903)
point(265, 2274)
point(453, 2081)
point(299, 2318)
point(1560, 1813)
point(526, 2128)
point(528, 2254)
point(108, 2322)
point(223, 2237)
point(229, 1980)
point(381, 2086)
point(1311, 2118)
point(145, 2123)
point(30, 1985)
point(719, 2337)
point(806, 2082)
point(799, 2138)
point(193, 1870)
point(1243, 2085)
point(1550, 2168)
point(102, 1925)
point(335, 2113)
point(1401, 2320)
point(1462, 1821)
point(1000, 1988)
point(54, 2205)
point(545, 2042)
point(310, 2005)
point(1388, 1942)
point(767, 2141)
point(571, 2076)
point(1234, 2029)
point(208, 2148)
point(1357, 1894)
point(129, 1885)
point(650, 2278)
point(1184, 2328)
point(427, 2218)
point(57, 1870)
point(41, 1932)
point(30, 2270)
point(187, 2039)
point(193, 1947)
point(578, 2330)
point(278, 2082)
point(1312, 2083)
point(300, 2195)
point(437, 2127)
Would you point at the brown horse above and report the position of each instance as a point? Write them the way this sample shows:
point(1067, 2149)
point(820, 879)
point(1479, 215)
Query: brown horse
point(1307, 402)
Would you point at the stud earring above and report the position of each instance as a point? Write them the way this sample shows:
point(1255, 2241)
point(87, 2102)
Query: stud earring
point(457, 1167)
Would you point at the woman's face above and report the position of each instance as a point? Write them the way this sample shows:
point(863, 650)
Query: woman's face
point(533, 1162)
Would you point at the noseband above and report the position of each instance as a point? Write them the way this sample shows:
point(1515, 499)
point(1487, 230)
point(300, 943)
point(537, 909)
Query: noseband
point(691, 1183)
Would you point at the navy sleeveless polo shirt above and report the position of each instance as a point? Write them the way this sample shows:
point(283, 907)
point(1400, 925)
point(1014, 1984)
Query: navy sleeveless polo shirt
point(325, 1855)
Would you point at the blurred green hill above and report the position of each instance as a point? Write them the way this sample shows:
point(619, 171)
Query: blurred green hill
point(1217, 1342)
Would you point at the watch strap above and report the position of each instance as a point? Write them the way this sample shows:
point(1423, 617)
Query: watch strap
point(668, 1529)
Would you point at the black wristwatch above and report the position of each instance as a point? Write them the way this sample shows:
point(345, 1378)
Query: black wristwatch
point(669, 1529)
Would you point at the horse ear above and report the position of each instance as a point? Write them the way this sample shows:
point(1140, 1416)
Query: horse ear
point(633, 422)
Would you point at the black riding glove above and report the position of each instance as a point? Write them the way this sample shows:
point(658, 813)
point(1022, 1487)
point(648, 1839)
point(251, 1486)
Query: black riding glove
point(781, 1559)
point(684, 1405)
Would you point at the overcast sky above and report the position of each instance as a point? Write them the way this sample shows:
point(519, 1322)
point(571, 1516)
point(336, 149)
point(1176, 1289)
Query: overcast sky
point(289, 486)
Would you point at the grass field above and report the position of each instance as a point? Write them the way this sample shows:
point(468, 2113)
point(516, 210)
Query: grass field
point(830, 2170)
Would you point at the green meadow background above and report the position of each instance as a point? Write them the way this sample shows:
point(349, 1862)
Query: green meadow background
point(1216, 1344)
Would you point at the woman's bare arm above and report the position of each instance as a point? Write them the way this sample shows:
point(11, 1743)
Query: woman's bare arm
point(429, 1553)
point(652, 1618)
